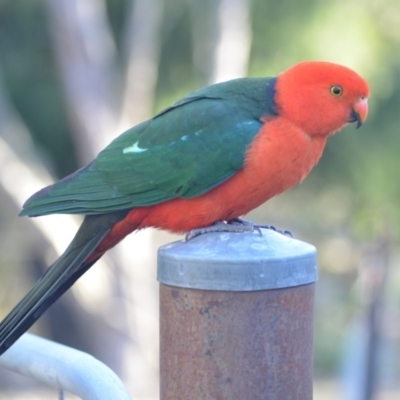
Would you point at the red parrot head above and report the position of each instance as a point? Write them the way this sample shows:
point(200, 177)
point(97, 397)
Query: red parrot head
point(322, 97)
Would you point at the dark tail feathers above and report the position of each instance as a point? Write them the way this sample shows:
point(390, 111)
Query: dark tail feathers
point(59, 277)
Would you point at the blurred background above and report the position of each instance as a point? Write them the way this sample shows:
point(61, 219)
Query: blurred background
point(76, 73)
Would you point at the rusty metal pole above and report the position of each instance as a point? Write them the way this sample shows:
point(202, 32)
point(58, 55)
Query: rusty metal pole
point(236, 315)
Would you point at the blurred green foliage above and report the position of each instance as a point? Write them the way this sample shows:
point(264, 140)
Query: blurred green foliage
point(31, 78)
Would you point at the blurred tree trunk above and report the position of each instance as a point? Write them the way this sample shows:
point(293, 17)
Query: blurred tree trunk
point(232, 50)
point(86, 55)
point(141, 53)
point(375, 277)
point(363, 355)
point(204, 29)
point(221, 38)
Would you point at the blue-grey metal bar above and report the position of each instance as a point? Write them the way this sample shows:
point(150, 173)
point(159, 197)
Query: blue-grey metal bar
point(62, 367)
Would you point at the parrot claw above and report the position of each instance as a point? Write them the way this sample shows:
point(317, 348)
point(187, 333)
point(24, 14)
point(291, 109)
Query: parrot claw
point(221, 226)
point(240, 221)
point(236, 225)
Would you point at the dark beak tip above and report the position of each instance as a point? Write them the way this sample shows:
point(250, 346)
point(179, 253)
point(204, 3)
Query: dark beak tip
point(355, 117)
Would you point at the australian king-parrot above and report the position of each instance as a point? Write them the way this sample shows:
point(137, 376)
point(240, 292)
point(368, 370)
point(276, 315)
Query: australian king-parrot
point(212, 156)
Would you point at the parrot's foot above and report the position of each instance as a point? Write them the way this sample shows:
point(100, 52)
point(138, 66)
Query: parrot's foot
point(240, 221)
point(221, 226)
point(236, 225)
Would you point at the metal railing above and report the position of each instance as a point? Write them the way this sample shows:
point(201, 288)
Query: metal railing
point(63, 368)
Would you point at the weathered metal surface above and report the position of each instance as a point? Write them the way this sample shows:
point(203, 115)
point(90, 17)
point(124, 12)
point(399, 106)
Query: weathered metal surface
point(237, 345)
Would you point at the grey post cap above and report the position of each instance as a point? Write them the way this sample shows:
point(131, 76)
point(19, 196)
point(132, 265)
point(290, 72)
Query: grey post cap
point(237, 262)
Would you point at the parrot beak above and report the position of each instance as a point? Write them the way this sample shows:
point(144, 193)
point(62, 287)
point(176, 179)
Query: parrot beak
point(359, 112)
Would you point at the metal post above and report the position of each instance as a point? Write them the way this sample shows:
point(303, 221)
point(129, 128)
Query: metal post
point(236, 316)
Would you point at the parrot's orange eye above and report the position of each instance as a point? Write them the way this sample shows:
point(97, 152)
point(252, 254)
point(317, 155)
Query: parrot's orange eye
point(336, 91)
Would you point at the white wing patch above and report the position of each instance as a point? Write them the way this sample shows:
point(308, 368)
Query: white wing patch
point(133, 149)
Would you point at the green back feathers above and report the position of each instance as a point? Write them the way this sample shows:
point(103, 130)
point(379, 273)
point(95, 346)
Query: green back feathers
point(184, 151)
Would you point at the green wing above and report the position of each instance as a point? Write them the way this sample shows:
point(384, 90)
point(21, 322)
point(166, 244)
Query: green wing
point(184, 151)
